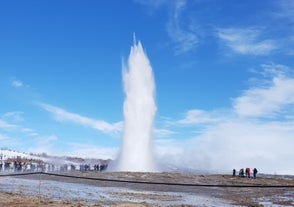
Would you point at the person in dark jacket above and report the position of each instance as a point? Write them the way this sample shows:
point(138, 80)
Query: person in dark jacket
point(241, 172)
point(254, 173)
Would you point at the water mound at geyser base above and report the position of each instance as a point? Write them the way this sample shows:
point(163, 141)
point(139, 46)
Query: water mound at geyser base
point(139, 111)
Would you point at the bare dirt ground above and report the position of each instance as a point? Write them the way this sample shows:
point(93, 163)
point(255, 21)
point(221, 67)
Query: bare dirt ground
point(134, 194)
point(21, 200)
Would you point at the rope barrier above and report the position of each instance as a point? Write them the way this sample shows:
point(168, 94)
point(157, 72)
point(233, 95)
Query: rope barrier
point(149, 182)
point(19, 174)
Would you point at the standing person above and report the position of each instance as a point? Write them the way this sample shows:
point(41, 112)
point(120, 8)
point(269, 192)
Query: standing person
point(241, 172)
point(254, 173)
point(234, 172)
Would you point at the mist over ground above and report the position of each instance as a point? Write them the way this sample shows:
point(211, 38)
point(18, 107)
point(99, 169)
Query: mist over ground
point(257, 131)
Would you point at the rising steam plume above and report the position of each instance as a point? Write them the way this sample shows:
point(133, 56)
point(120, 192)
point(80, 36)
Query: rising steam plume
point(139, 111)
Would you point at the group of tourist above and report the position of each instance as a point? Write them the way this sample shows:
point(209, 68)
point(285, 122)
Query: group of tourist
point(20, 166)
point(39, 166)
point(246, 173)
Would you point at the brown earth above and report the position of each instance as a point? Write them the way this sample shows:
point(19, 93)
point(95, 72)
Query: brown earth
point(20, 200)
point(251, 196)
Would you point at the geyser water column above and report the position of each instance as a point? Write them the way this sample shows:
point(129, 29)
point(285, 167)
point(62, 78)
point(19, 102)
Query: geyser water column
point(139, 111)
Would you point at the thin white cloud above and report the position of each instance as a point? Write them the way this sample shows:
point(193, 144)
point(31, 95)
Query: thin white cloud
point(197, 116)
point(284, 13)
point(6, 126)
point(43, 144)
point(63, 115)
point(268, 99)
point(90, 151)
point(246, 41)
point(7, 141)
point(286, 9)
point(3, 137)
point(153, 3)
point(184, 40)
point(163, 132)
point(14, 116)
point(46, 139)
point(183, 34)
point(18, 135)
point(16, 83)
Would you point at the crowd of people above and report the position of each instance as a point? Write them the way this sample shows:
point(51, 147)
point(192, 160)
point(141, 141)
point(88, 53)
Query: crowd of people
point(246, 172)
point(21, 165)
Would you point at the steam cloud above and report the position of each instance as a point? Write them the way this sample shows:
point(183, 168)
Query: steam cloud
point(139, 111)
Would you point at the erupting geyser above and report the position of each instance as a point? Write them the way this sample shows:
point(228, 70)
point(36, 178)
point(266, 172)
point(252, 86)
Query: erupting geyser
point(139, 111)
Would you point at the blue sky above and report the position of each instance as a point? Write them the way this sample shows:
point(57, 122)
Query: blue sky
point(223, 71)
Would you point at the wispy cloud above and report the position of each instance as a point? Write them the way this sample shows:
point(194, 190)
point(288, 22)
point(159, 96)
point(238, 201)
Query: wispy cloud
point(184, 39)
point(286, 9)
point(284, 12)
point(63, 115)
point(7, 126)
point(182, 34)
point(16, 83)
point(197, 116)
point(17, 135)
point(43, 144)
point(152, 3)
point(7, 141)
point(268, 99)
point(3, 137)
point(14, 116)
point(163, 132)
point(246, 41)
point(90, 151)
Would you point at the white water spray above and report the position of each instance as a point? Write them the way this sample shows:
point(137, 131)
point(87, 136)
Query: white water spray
point(139, 111)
